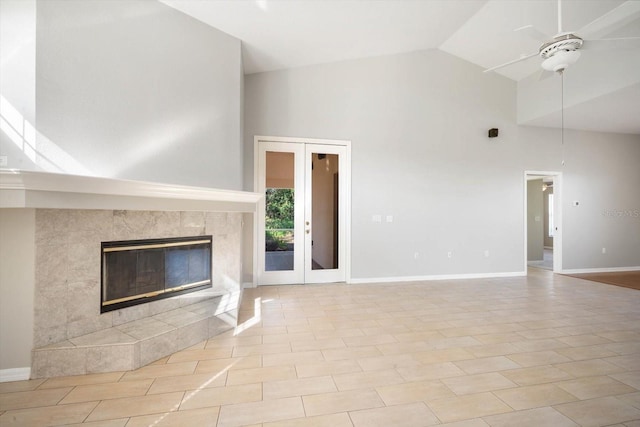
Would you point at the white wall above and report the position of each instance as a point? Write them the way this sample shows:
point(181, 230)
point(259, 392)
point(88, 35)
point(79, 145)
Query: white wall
point(418, 124)
point(137, 90)
point(534, 220)
point(17, 82)
point(17, 287)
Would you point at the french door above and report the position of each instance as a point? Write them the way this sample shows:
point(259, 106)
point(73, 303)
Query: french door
point(302, 218)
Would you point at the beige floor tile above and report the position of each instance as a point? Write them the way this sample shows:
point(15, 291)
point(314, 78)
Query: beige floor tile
point(489, 350)
point(200, 354)
point(224, 365)
point(188, 382)
point(589, 368)
point(635, 423)
point(531, 418)
point(508, 337)
point(331, 403)
point(218, 396)
point(539, 345)
point(399, 394)
point(409, 415)
point(289, 338)
point(466, 407)
point(321, 369)
point(535, 396)
point(632, 399)
point(536, 375)
point(205, 417)
point(476, 422)
point(351, 353)
point(48, 415)
point(134, 406)
point(95, 392)
point(32, 399)
point(157, 371)
point(229, 341)
point(121, 422)
point(259, 349)
point(331, 420)
point(443, 355)
point(404, 348)
point(29, 385)
point(486, 364)
point(368, 379)
point(388, 362)
point(257, 375)
point(110, 377)
point(599, 412)
point(292, 358)
point(324, 344)
point(585, 353)
point(591, 387)
point(629, 362)
point(297, 387)
point(430, 372)
point(264, 411)
point(538, 358)
point(629, 378)
point(534, 334)
point(471, 384)
point(583, 340)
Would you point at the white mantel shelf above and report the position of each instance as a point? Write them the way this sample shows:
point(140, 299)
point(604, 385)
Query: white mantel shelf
point(43, 190)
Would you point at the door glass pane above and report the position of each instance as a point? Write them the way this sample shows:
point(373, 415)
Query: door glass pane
point(279, 204)
point(324, 215)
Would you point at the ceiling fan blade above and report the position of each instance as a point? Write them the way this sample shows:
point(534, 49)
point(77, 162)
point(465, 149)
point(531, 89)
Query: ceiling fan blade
point(612, 20)
point(533, 33)
point(531, 55)
point(621, 43)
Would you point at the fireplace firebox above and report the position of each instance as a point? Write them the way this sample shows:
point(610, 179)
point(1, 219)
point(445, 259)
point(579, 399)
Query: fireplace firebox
point(140, 271)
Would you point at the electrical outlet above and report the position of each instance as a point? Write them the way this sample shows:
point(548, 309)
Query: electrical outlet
point(4, 161)
point(416, 255)
point(486, 254)
point(376, 218)
point(389, 218)
point(449, 254)
point(604, 250)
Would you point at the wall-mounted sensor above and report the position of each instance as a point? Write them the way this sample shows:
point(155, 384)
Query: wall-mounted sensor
point(576, 203)
point(493, 132)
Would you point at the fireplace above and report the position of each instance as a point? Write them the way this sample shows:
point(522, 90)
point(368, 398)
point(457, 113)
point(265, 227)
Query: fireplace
point(140, 271)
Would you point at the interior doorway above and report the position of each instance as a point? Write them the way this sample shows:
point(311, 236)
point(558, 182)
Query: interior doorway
point(543, 231)
point(303, 217)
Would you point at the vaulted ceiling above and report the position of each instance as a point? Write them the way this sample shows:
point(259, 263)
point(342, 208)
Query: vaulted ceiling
point(602, 90)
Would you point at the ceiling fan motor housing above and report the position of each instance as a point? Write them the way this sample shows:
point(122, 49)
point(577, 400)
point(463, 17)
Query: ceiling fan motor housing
point(567, 41)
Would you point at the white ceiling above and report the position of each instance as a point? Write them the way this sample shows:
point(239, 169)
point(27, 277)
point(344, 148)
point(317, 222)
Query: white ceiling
point(279, 34)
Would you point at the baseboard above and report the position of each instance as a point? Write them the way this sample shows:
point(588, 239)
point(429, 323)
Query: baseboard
point(438, 277)
point(600, 270)
point(14, 374)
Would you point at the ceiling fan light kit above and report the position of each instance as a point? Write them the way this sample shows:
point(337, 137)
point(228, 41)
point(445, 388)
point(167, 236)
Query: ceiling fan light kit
point(561, 60)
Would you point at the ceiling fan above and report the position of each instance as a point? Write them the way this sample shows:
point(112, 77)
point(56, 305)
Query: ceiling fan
point(562, 50)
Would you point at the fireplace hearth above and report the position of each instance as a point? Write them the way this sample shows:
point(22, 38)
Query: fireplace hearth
point(140, 271)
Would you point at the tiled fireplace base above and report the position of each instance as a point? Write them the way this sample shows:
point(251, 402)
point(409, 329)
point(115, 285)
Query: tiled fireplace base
point(138, 343)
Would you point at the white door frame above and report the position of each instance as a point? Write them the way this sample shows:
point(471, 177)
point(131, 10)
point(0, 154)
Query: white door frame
point(557, 217)
point(344, 175)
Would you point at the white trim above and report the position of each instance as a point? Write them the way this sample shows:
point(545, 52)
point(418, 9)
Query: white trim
point(302, 140)
point(438, 277)
point(600, 270)
point(14, 374)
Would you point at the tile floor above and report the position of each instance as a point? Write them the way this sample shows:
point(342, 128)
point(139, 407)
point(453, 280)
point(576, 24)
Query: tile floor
point(545, 350)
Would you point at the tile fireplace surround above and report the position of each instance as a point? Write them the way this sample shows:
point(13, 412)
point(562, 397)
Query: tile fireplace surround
point(71, 216)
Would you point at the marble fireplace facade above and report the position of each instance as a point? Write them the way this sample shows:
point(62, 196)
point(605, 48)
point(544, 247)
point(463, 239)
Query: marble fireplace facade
point(71, 336)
